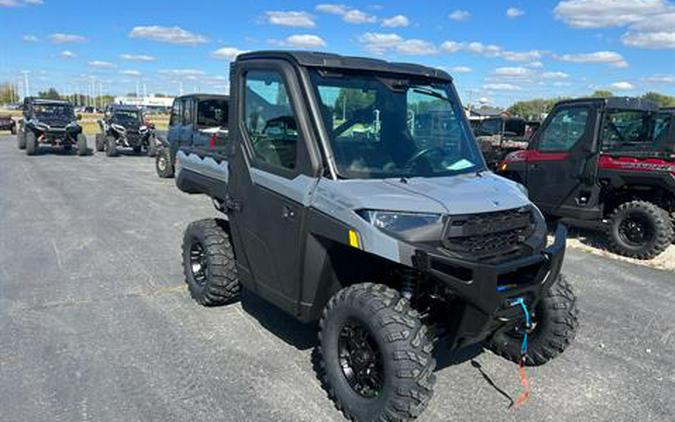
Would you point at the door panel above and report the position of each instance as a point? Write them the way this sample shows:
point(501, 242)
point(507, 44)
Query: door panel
point(267, 188)
point(563, 161)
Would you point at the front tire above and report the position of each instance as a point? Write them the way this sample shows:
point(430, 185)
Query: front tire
point(163, 164)
point(110, 146)
point(556, 319)
point(375, 355)
point(81, 144)
point(640, 229)
point(209, 263)
point(152, 146)
point(31, 143)
point(21, 139)
point(100, 142)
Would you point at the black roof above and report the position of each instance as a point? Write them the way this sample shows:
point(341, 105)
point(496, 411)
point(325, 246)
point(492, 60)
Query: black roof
point(204, 96)
point(334, 61)
point(618, 103)
point(35, 100)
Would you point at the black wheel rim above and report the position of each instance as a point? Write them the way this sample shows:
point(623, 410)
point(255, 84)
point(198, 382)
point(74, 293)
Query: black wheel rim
point(636, 230)
point(360, 359)
point(198, 263)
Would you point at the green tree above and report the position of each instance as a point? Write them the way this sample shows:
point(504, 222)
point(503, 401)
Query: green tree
point(533, 109)
point(602, 94)
point(51, 93)
point(350, 100)
point(660, 99)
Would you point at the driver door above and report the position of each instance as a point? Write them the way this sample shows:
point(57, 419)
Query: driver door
point(562, 163)
point(271, 178)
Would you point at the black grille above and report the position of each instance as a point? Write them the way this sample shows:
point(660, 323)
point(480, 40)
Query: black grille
point(489, 235)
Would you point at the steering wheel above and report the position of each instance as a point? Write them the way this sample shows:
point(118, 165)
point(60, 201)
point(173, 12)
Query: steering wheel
point(360, 116)
point(419, 154)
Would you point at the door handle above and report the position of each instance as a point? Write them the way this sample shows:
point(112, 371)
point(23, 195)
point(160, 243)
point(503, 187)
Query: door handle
point(288, 212)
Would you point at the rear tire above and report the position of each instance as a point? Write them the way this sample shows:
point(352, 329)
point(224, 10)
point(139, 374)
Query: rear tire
point(640, 229)
point(375, 355)
point(209, 263)
point(556, 316)
point(31, 143)
point(152, 146)
point(163, 164)
point(110, 146)
point(21, 139)
point(81, 144)
point(100, 142)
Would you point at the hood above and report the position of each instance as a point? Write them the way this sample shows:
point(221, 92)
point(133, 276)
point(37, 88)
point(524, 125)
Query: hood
point(462, 194)
point(58, 120)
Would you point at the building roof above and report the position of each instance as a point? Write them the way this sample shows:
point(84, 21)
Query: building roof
point(335, 61)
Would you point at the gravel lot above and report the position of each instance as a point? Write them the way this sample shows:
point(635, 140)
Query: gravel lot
point(96, 323)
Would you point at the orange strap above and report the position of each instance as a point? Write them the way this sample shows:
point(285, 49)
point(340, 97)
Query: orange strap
point(525, 395)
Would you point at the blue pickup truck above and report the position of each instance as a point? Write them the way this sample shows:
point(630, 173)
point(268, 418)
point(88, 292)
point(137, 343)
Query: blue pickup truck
point(198, 124)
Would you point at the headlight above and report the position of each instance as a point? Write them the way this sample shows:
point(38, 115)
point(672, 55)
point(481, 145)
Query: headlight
point(118, 128)
point(42, 126)
point(143, 129)
point(397, 221)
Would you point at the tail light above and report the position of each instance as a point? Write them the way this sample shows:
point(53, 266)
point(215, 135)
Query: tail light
point(212, 141)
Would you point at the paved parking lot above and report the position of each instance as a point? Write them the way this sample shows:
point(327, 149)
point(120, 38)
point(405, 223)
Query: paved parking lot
point(96, 324)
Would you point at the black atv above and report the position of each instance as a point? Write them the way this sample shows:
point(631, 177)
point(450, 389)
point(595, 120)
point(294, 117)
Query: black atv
point(125, 127)
point(50, 122)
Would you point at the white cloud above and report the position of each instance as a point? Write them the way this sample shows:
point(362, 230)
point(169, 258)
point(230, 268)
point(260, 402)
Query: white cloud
point(396, 21)
point(451, 46)
point(622, 86)
point(501, 87)
point(650, 40)
point(514, 72)
point(460, 69)
point(227, 53)
point(333, 9)
point(304, 41)
point(535, 65)
point(660, 79)
point(131, 72)
point(459, 15)
point(137, 57)
point(190, 74)
point(555, 75)
point(415, 47)
point(67, 54)
point(380, 43)
point(34, 2)
point(9, 3)
point(611, 58)
point(172, 35)
point(293, 19)
point(650, 23)
point(358, 17)
point(514, 12)
point(60, 38)
point(101, 64)
point(30, 38)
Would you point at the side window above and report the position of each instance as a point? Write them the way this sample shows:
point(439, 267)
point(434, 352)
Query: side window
point(187, 111)
point(212, 113)
point(661, 127)
point(565, 129)
point(176, 113)
point(270, 121)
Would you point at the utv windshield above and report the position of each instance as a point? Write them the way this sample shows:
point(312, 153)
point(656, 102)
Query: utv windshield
point(53, 110)
point(126, 116)
point(385, 128)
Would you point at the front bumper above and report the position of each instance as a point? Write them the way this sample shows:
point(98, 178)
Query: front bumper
point(488, 290)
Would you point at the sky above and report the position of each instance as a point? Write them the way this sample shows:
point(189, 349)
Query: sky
point(498, 51)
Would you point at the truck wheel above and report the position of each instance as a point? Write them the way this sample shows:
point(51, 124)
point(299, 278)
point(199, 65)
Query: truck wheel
point(137, 149)
point(81, 144)
point(110, 146)
point(100, 142)
point(152, 146)
point(555, 326)
point(209, 263)
point(640, 229)
point(31, 143)
point(375, 355)
point(163, 164)
point(21, 139)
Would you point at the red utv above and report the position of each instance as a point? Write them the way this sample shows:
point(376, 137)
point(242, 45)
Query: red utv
point(610, 160)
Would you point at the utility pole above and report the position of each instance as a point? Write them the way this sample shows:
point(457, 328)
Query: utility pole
point(26, 84)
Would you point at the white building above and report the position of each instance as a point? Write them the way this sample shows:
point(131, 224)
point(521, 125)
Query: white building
point(146, 102)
